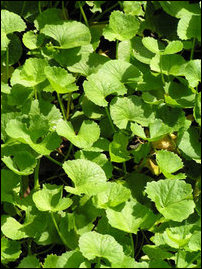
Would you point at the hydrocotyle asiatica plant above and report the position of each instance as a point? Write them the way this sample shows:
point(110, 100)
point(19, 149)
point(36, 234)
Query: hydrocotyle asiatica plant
point(101, 126)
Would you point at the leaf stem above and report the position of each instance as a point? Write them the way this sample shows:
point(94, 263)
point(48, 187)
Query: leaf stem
point(23, 8)
point(35, 92)
point(39, 6)
point(36, 176)
point(132, 245)
point(63, 11)
point(192, 49)
point(68, 152)
point(162, 76)
point(7, 64)
point(83, 14)
point(68, 106)
point(53, 160)
point(104, 12)
point(57, 228)
point(61, 106)
point(124, 168)
point(141, 245)
point(98, 262)
point(110, 120)
point(117, 46)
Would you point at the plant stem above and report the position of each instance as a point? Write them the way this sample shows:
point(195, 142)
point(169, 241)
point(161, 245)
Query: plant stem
point(162, 76)
point(7, 64)
point(192, 49)
point(35, 92)
point(39, 6)
point(104, 12)
point(57, 228)
point(68, 105)
point(50, 178)
point(23, 8)
point(98, 262)
point(53, 160)
point(63, 11)
point(110, 120)
point(132, 245)
point(36, 176)
point(45, 251)
point(68, 152)
point(83, 14)
point(138, 252)
point(124, 168)
point(61, 106)
point(117, 46)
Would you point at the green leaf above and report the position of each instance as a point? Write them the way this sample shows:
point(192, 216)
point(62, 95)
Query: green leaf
point(118, 148)
point(60, 79)
point(29, 262)
point(49, 198)
point(113, 196)
point(32, 41)
point(87, 176)
point(193, 72)
point(91, 110)
point(189, 144)
point(93, 244)
point(69, 259)
point(110, 79)
point(96, 157)
point(151, 44)
point(169, 162)
point(11, 22)
point(126, 109)
point(69, 34)
point(156, 253)
point(173, 198)
point(23, 163)
point(134, 7)
point(172, 64)
point(11, 228)
point(197, 108)
point(48, 16)
point(129, 262)
point(195, 241)
point(10, 250)
point(130, 216)
point(88, 134)
point(121, 26)
point(173, 47)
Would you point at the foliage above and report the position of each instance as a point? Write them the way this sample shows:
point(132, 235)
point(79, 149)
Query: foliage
point(101, 125)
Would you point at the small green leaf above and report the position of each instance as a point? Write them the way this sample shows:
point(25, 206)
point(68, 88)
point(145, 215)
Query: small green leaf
point(10, 250)
point(49, 198)
point(118, 148)
point(88, 134)
point(11, 22)
point(29, 262)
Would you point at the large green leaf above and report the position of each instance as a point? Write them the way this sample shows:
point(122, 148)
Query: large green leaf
point(69, 34)
point(173, 198)
point(87, 176)
point(93, 244)
point(121, 26)
point(10, 250)
point(11, 22)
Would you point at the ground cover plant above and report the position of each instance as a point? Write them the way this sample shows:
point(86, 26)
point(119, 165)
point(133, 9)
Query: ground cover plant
point(101, 125)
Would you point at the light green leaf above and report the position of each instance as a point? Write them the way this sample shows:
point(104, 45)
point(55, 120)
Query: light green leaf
point(32, 41)
point(193, 72)
point(169, 162)
point(134, 7)
point(129, 262)
point(173, 47)
point(172, 64)
point(93, 244)
point(96, 157)
point(69, 34)
point(29, 262)
point(121, 26)
point(88, 134)
point(91, 110)
point(195, 241)
point(130, 216)
point(132, 108)
point(110, 79)
point(118, 148)
point(49, 198)
point(173, 198)
point(10, 250)
point(114, 195)
point(151, 44)
point(197, 108)
point(69, 259)
point(88, 177)
point(23, 162)
point(60, 79)
point(189, 143)
point(11, 22)
point(11, 228)
point(156, 253)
